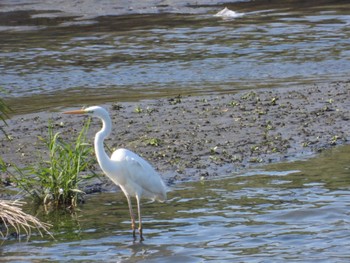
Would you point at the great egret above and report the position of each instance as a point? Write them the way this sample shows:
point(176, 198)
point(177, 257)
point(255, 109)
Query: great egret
point(134, 175)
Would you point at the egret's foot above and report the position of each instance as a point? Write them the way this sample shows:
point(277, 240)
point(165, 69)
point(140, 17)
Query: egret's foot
point(133, 231)
point(141, 236)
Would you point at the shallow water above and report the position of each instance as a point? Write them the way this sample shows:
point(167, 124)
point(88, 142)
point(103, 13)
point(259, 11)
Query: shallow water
point(150, 51)
point(291, 212)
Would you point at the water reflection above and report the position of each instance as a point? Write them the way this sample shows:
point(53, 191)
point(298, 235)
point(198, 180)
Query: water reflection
point(293, 211)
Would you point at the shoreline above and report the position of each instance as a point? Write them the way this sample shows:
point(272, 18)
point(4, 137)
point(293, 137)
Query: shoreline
point(195, 137)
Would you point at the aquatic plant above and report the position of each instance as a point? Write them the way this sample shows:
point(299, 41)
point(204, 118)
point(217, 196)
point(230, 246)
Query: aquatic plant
point(249, 95)
point(138, 109)
point(56, 181)
point(150, 110)
point(233, 103)
point(334, 139)
point(153, 142)
point(175, 100)
point(273, 101)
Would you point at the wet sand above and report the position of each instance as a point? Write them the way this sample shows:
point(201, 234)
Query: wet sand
point(196, 137)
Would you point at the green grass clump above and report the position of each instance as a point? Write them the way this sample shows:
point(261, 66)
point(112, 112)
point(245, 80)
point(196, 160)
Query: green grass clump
point(56, 181)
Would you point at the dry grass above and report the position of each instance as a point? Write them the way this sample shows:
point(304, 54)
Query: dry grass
point(12, 216)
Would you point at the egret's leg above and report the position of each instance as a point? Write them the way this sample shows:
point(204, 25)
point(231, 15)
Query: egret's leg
point(140, 220)
point(132, 216)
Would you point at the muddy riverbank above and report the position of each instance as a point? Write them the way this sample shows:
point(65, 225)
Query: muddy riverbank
point(196, 137)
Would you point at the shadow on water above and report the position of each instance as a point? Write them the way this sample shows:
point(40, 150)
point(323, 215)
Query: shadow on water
point(296, 211)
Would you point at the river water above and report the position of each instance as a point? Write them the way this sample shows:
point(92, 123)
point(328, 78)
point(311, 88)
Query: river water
point(85, 52)
point(288, 212)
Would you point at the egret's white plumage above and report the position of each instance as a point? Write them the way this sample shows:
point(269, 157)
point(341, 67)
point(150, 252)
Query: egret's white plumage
point(134, 175)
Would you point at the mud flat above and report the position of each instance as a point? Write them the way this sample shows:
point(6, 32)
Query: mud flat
point(196, 137)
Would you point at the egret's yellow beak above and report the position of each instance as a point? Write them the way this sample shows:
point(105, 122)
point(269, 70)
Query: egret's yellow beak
point(75, 112)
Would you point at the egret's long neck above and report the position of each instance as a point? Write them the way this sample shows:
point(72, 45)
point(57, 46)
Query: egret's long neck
point(101, 155)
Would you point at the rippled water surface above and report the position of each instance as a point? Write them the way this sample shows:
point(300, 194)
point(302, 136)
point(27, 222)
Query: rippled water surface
point(294, 212)
point(146, 51)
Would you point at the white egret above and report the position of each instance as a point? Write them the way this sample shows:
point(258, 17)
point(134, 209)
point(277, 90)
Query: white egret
point(134, 175)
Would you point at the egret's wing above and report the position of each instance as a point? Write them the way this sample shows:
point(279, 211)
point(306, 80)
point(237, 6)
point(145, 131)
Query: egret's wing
point(141, 173)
